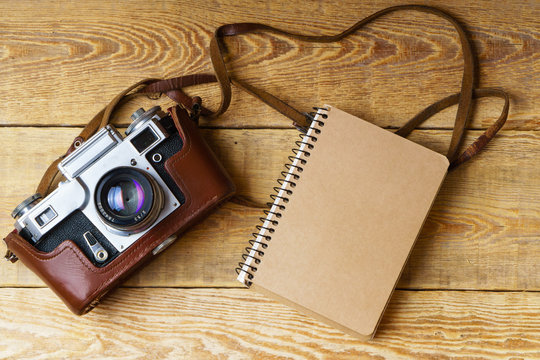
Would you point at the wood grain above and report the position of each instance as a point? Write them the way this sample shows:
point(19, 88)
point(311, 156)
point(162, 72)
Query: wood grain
point(240, 324)
point(61, 63)
point(482, 232)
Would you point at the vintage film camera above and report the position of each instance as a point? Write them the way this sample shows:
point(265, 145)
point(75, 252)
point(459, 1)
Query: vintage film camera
point(123, 201)
point(116, 190)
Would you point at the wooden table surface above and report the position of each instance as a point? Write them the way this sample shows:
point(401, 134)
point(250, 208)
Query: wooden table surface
point(471, 286)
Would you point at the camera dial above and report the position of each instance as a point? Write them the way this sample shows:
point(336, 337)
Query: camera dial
point(140, 116)
point(128, 200)
point(26, 205)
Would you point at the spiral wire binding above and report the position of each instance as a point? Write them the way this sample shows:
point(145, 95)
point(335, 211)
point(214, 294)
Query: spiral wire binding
point(253, 253)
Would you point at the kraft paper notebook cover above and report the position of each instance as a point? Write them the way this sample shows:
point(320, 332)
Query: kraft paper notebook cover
point(344, 221)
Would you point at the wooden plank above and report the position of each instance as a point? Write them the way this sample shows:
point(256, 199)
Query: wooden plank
point(240, 324)
point(61, 63)
point(481, 234)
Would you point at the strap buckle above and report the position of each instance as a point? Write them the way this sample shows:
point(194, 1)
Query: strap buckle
point(10, 256)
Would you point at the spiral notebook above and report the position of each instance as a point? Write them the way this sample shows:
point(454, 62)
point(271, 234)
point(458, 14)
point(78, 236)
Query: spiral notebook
point(343, 221)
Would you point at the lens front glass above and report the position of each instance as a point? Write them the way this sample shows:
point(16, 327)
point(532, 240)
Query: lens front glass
point(126, 198)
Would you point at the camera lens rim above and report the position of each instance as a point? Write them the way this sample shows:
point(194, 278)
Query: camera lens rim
point(145, 215)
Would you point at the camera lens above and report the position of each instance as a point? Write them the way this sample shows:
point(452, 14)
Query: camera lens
point(128, 200)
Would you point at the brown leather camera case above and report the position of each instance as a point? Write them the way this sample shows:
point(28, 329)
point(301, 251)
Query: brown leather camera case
point(80, 284)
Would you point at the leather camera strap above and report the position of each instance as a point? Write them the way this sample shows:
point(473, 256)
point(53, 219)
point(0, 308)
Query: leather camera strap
point(173, 88)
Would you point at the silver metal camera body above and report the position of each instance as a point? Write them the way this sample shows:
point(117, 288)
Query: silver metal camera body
point(120, 167)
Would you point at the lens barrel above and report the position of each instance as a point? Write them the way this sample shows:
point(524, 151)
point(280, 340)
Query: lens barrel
point(128, 200)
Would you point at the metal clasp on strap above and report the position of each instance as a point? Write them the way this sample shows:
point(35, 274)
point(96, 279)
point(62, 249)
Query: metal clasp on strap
point(10, 256)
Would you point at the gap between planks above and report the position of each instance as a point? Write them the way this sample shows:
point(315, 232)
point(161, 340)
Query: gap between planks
point(254, 127)
point(242, 288)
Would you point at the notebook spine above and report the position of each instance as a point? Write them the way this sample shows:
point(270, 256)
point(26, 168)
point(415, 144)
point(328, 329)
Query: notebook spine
point(253, 254)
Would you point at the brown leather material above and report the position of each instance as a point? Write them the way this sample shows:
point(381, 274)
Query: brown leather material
point(465, 101)
point(173, 88)
point(49, 179)
point(301, 120)
point(67, 271)
point(482, 140)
